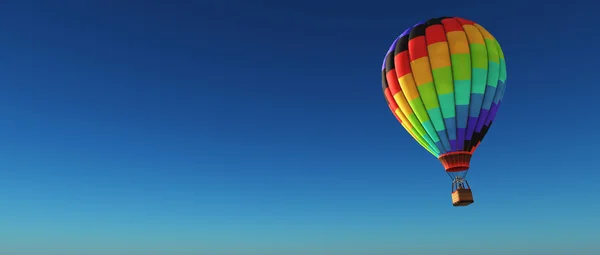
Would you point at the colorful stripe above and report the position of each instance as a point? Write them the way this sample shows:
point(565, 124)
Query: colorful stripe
point(444, 80)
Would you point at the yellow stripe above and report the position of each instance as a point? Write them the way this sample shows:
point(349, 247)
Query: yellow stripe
point(473, 34)
point(407, 83)
point(402, 103)
point(421, 71)
point(439, 55)
point(403, 118)
point(458, 42)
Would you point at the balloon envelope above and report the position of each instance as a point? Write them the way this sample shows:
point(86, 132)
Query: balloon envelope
point(444, 80)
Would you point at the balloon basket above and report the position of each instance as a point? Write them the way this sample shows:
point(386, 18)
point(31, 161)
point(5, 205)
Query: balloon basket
point(462, 197)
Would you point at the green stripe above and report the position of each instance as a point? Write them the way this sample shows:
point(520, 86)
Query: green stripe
point(427, 125)
point(436, 118)
point(462, 92)
point(432, 144)
point(500, 52)
point(493, 73)
point(502, 75)
point(412, 118)
point(417, 106)
point(428, 95)
point(443, 80)
point(479, 80)
point(423, 119)
point(479, 57)
point(492, 50)
point(447, 105)
point(461, 66)
point(419, 137)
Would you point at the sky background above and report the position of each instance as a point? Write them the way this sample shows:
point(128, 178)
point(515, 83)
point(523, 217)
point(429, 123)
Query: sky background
point(260, 128)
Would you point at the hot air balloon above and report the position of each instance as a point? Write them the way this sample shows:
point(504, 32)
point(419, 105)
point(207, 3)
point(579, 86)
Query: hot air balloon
point(444, 80)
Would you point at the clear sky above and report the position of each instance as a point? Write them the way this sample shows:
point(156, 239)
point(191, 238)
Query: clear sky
point(260, 128)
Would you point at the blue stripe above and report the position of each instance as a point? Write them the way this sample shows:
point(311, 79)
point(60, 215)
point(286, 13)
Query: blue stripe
point(462, 113)
point(441, 147)
point(475, 106)
point(499, 92)
point(450, 128)
point(489, 97)
point(444, 140)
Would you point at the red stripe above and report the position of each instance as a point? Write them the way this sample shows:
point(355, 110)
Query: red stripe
point(393, 83)
point(390, 98)
point(452, 25)
point(435, 34)
point(417, 48)
point(402, 64)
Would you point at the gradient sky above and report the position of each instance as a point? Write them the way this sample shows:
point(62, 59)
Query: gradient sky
point(240, 128)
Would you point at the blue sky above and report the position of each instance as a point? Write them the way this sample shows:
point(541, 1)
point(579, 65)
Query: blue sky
point(239, 128)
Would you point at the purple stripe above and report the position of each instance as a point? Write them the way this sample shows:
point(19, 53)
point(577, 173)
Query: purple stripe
point(471, 127)
point(492, 115)
point(482, 117)
point(461, 138)
point(454, 145)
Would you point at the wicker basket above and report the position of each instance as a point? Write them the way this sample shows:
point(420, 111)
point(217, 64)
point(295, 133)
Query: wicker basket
point(462, 197)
